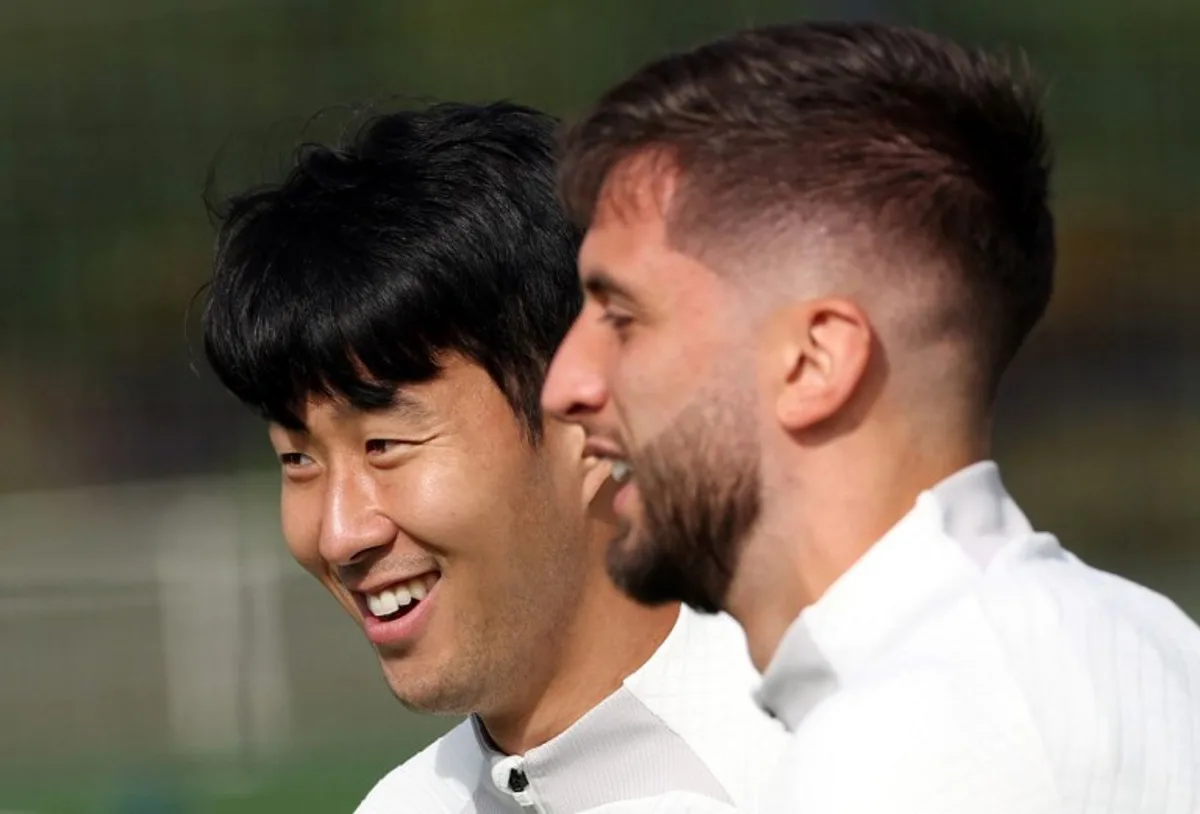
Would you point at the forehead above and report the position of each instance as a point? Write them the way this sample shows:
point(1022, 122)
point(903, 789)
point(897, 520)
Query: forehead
point(628, 240)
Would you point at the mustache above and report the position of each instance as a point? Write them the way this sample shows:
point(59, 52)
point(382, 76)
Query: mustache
point(387, 567)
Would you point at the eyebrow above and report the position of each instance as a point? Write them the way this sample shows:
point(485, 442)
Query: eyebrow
point(404, 404)
point(601, 285)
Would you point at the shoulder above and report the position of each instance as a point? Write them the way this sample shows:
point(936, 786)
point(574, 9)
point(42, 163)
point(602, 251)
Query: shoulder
point(1037, 584)
point(916, 741)
point(1085, 646)
point(707, 652)
point(700, 685)
point(440, 779)
point(1107, 668)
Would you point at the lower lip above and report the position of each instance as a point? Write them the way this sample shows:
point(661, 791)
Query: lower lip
point(404, 630)
point(624, 495)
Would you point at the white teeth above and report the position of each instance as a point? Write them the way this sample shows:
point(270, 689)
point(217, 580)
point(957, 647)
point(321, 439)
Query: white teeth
point(621, 471)
point(382, 603)
point(390, 600)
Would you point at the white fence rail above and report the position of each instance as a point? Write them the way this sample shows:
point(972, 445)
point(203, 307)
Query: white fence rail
point(166, 618)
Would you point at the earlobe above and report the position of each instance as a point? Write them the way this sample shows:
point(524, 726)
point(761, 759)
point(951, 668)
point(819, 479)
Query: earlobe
point(825, 348)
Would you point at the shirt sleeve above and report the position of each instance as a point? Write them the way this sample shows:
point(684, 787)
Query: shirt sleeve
point(920, 744)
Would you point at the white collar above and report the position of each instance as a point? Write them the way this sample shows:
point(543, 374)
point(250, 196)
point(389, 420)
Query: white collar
point(614, 739)
point(950, 535)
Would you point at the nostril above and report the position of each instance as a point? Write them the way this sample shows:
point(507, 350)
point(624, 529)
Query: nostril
point(350, 538)
point(359, 556)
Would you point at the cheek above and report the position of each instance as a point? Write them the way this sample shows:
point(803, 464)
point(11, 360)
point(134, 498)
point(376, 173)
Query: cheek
point(665, 370)
point(300, 517)
point(453, 504)
point(649, 388)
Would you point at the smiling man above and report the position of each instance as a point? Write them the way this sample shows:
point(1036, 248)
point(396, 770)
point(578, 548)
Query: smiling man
point(391, 308)
point(812, 252)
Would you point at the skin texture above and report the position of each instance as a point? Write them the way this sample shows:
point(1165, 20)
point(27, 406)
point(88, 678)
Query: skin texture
point(683, 418)
point(523, 626)
point(779, 417)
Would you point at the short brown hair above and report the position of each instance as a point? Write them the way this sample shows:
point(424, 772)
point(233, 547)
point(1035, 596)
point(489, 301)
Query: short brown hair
point(932, 144)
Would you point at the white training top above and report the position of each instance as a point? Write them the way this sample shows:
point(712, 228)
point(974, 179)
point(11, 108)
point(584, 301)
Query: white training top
point(969, 664)
point(683, 734)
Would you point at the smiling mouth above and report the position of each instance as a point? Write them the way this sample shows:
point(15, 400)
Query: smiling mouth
point(607, 450)
point(622, 470)
point(399, 599)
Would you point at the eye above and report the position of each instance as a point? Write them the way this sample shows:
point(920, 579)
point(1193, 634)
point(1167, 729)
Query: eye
point(381, 446)
point(294, 460)
point(617, 320)
point(297, 466)
point(386, 452)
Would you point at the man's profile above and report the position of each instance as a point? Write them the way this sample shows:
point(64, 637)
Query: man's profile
point(812, 253)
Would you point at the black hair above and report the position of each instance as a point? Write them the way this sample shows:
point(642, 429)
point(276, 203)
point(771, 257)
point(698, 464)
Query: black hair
point(426, 232)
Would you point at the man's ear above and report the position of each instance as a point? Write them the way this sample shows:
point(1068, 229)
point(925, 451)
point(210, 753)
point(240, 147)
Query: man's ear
point(815, 355)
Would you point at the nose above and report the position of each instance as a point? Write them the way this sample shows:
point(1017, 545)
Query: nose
point(575, 384)
point(353, 524)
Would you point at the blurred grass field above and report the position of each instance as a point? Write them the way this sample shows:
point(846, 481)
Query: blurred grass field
point(92, 742)
point(330, 779)
point(124, 694)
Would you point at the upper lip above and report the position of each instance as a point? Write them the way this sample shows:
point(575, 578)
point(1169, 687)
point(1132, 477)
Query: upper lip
point(602, 448)
point(375, 586)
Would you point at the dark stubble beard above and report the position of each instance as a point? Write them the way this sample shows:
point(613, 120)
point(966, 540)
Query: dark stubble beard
point(700, 491)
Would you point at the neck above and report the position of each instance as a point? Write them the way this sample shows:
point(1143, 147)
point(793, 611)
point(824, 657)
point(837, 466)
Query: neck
point(607, 637)
point(816, 526)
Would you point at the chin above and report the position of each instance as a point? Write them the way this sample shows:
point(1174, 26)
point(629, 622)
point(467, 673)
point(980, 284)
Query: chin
point(427, 689)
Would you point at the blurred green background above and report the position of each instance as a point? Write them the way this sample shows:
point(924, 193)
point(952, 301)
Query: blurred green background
point(158, 653)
